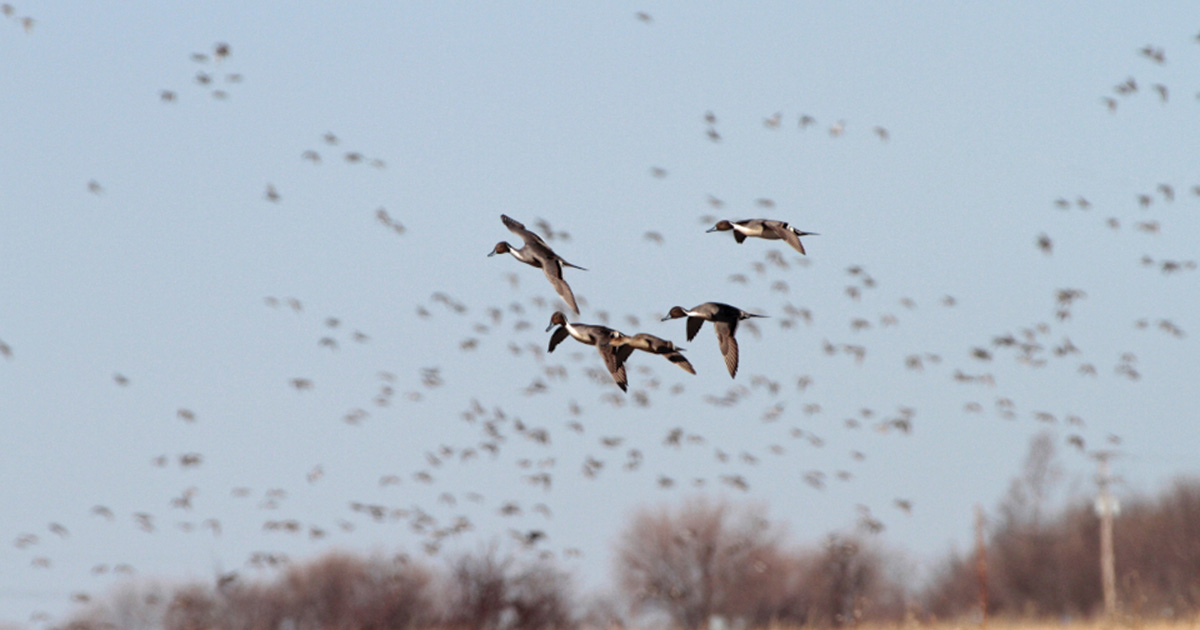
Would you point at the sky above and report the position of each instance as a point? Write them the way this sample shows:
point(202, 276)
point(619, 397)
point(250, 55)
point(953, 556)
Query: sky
point(188, 233)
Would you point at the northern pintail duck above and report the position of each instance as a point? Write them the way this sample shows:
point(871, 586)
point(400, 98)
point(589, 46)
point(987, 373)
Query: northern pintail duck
point(649, 343)
point(538, 254)
point(769, 229)
point(725, 320)
point(592, 335)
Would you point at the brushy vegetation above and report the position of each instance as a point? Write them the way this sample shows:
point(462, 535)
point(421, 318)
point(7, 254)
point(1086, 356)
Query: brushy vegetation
point(684, 565)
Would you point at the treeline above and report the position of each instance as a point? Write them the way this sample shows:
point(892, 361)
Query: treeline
point(682, 565)
point(484, 590)
point(1052, 568)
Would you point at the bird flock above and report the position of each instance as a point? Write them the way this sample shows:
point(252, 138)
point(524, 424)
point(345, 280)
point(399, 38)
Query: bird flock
point(613, 345)
point(437, 493)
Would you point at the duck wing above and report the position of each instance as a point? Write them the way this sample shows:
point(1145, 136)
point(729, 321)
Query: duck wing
point(559, 335)
point(518, 228)
point(728, 344)
point(693, 327)
point(784, 232)
point(677, 358)
point(615, 364)
point(623, 352)
point(554, 275)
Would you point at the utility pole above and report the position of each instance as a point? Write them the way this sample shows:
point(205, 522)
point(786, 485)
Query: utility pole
point(1106, 508)
point(981, 565)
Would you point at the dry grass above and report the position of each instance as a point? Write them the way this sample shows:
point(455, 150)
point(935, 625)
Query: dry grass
point(1033, 624)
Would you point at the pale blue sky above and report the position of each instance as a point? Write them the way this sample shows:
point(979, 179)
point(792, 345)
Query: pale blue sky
point(561, 112)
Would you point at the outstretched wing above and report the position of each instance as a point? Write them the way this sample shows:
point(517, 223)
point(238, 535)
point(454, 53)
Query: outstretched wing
point(554, 275)
point(615, 365)
point(678, 359)
point(693, 327)
point(729, 346)
point(783, 231)
point(559, 335)
point(518, 228)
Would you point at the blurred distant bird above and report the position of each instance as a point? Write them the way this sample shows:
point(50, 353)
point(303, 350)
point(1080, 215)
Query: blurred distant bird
point(1162, 91)
point(537, 253)
point(725, 320)
point(1045, 244)
point(649, 343)
point(592, 335)
point(1157, 55)
point(1168, 191)
point(768, 229)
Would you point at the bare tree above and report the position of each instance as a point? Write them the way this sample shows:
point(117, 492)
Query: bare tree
point(702, 559)
point(491, 592)
point(477, 590)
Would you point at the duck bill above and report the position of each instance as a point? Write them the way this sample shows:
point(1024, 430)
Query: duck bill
point(711, 229)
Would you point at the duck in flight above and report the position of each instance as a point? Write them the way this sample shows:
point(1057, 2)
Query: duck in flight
point(769, 229)
point(646, 342)
point(537, 253)
point(725, 320)
point(592, 335)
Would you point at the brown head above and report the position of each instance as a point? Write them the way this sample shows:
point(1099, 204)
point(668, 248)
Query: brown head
point(676, 312)
point(557, 319)
point(501, 248)
point(721, 226)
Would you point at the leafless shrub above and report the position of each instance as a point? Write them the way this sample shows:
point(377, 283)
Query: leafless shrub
point(193, 607)
point(1047, 565)
point(334, 591)
point(703, 559)
point(136, 605)
point(488, 591)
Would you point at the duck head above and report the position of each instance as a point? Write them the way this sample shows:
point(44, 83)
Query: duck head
point(721, 226)
point(676, 311)
point(501, 248)
point(557, 319)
